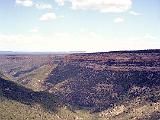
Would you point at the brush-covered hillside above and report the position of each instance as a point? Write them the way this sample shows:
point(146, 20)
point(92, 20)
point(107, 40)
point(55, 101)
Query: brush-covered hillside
point(119, 85)
point(102, 81)
point(20, 103)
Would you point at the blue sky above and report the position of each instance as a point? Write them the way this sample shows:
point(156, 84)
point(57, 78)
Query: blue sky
point(79, 25)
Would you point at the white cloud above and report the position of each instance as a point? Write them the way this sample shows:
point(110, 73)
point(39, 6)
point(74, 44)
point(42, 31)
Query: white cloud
point(83, 29)
point(30, 3)
point(48, 16)
point(149, 37)
point(43, 6)
point(88, 41)
point(34, 30)
point(134, 13)
point(119, 20)
point(114, 6)
point(53, 42)
point(61, 16)
point(60, 2)
point(27, 3)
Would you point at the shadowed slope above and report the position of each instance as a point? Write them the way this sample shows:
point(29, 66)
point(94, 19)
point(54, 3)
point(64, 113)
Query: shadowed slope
point(89, 81)
point(12, 91)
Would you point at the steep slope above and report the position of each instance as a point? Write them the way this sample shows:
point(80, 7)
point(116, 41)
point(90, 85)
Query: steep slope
point(20, 103)
point(89, 88)
point(29, 70)
point(93, 86)
point(35, 79)
point(101, 81)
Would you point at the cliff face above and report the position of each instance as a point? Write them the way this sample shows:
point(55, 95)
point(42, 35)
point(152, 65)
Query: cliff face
point(101, 80)
point(118, 58)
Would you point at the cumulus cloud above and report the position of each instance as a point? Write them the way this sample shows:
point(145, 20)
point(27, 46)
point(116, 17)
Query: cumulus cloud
point(134, 13)
point(34, 30)
point(114, 6)
point(30, 3)
point(119, 20)
point(55, 42)
point(35, 42)
point(48, 16)
point(149, 37)
point(60, 2)
point(61, 16)
point(43, 6)
point(88, 41)
point(27, 3)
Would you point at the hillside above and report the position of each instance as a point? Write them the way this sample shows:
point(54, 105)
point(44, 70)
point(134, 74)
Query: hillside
point(100, 81)
point(120, 85)
point(20, 103)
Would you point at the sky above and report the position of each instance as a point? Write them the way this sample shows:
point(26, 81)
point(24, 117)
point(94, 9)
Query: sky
point(79, 25)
